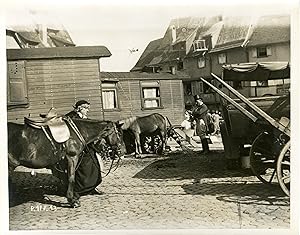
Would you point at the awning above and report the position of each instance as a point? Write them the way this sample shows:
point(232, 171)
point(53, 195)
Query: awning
point(256, 71)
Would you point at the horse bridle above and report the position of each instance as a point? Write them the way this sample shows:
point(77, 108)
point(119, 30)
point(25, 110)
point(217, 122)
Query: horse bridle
point(114, 152)
point(98, 138)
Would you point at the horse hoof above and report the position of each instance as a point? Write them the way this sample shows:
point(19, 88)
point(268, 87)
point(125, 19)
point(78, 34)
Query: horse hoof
point(75, 204)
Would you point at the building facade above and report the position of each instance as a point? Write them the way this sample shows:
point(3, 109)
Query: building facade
point(201, 46)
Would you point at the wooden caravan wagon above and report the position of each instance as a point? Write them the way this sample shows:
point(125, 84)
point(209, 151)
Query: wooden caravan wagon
point(127, 94)
point(41, 78)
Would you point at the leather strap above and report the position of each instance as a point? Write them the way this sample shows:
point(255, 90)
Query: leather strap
point(75, 129)
point(50, 139)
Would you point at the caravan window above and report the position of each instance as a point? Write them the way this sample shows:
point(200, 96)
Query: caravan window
point(261, 52)
point(17, 93)
point(150, 92)
point(109, 95)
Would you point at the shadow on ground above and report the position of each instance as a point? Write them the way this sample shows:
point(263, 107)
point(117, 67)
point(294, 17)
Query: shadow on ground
point(24, 188)
point(190, 166)
point(245, 193)
point(211, 177)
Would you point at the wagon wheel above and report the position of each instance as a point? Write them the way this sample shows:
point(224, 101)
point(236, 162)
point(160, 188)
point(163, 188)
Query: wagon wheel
point(263, 155)
point(157, 144)
point(147, 144)
point(283, 168)
point(152, 144)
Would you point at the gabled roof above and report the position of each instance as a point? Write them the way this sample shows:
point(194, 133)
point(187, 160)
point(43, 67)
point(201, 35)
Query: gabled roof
point(184, 27)
point(160, 51)
point(233, 33)
point(31, 36)
point(271, 29)
point(211, 28)
point(60, 36)
point(151, 51)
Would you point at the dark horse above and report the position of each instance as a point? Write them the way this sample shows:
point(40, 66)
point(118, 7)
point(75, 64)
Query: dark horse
point(145, 125)
point(30, 147)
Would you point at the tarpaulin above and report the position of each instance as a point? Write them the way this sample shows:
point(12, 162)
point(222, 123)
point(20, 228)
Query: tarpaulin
point(256, 71)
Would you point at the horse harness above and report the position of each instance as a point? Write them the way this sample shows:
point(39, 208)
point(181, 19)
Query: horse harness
point(60, 131)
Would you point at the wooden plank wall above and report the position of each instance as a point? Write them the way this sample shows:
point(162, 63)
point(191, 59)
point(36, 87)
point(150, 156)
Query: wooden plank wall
point(60, 83)
point(130, 101)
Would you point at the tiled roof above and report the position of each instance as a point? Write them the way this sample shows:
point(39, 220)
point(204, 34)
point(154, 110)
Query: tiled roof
point(233, 32)
point(151, 51)
point(32, 36)
point(271, 29)
point(160, 51)
point(185, 27)
point(227, 33)
point(61, 40)
point(212, 28)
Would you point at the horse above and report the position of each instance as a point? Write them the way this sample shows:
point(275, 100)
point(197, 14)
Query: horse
point(31, 147)
point(145, 125)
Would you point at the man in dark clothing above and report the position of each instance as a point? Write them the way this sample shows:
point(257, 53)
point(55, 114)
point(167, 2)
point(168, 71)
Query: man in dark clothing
point(81, 109)
point(199, 114)
point(88, 173)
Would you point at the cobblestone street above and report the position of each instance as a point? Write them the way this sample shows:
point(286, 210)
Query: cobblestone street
point(176, 191)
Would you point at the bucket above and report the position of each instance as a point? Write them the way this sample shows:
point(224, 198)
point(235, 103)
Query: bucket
point(245, 160)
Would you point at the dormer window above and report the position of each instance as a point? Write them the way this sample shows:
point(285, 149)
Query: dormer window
point(199, 45)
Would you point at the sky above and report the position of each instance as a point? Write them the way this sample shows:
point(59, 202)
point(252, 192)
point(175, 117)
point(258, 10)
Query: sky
point(120, 26)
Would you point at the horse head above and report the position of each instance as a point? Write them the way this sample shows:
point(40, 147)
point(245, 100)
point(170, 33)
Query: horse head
point(111, 143)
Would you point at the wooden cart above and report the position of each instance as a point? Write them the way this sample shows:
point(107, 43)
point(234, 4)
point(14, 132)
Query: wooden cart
point(270, 151)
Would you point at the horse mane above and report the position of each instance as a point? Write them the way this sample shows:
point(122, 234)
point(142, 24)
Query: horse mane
point(127, 122)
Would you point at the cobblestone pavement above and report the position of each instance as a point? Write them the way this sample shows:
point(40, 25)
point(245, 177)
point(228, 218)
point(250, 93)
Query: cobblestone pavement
point(177, 191)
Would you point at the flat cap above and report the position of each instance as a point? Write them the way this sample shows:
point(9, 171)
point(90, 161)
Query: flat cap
point(81, 102)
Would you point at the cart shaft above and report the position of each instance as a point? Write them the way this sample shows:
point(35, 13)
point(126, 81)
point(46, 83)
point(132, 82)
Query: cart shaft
point(268, 118)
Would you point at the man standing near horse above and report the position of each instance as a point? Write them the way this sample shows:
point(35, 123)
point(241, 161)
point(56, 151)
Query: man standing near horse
point(88, 174)
point(199, 114)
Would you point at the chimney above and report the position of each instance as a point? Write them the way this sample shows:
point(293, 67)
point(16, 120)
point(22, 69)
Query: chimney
point(173, 70)
point(173, 33)
point(43, 33)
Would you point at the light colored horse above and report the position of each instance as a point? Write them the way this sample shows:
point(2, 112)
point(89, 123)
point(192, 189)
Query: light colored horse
point(145, 125)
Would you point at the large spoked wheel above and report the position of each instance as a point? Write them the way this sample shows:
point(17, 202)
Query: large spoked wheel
point(152, 144)
point(283, 168)
point(263, 156)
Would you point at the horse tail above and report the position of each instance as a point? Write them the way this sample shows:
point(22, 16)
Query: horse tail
point(168, 121)
point(164, 118)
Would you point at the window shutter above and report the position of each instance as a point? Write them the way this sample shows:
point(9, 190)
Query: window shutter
point(201, 62)
point(269, 51)
point(16, 83)
point(254, 53)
